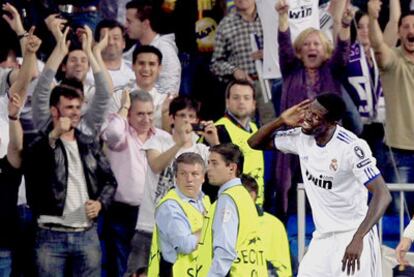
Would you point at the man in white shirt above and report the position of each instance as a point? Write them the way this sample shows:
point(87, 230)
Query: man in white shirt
point(119, 69)
point(338, 171)
point(140, 25)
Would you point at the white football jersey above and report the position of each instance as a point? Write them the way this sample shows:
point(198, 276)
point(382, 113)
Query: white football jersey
point(334, 176)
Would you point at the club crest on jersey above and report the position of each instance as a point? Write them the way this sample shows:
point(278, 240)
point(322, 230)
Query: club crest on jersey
point(358, 151)
point(334, 165)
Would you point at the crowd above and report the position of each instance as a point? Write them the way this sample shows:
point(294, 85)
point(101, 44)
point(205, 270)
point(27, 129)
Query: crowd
point(138, 138)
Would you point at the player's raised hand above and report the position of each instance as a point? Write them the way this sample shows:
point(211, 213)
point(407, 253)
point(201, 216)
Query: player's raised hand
point(350, 261)
point(295, 114)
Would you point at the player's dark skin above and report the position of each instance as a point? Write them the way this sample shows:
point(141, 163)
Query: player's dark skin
point(311, 116)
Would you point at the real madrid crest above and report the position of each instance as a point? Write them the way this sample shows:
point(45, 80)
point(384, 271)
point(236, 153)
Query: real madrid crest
point(334, 165)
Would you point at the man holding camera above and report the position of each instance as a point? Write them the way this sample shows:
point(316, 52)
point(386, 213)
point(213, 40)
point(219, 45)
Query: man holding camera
point(161, 150)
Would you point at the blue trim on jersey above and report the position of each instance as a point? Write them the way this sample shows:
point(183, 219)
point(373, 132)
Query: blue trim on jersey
point(342, 139)
point(369, 173)
point(344, 134)
point(372, 179)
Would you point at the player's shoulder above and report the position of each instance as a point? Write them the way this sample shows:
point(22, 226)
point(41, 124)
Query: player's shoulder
point(294, 132)
point(345, 137)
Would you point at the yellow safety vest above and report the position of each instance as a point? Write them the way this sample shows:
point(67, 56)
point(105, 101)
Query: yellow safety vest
point(253, 159)
point(185, 265)
point(276, 244)
point(250, 261)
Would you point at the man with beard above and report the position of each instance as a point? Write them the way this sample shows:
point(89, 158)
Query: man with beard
point(397, 67)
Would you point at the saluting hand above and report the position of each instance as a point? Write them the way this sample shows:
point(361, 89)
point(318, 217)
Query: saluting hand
point(294, 115)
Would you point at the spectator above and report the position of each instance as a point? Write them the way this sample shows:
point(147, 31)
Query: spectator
point(298, 21)
point(273, 235)
point(179, 219)
point(126, 133)
point(119, 69)
point(362, 81)
point(69, 182)
point(10, 178)
point(10, 173)
point(236, 127)
point(147, 66)
point(309, 67)
point(231, 228)
point(161, 150)
point(233, 56)
point(141, 26)
point(398, 83)
point(75, 66)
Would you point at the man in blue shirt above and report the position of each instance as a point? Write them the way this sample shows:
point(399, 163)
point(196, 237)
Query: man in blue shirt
point(178, 232)
point(235, 220)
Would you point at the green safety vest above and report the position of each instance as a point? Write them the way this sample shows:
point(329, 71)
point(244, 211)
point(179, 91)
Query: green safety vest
point(185, 265)
point(253, 159)
point(250, 261)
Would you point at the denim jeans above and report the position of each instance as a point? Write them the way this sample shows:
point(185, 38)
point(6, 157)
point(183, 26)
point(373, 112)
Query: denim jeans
point(399, 168)
point(5, 262)
point(76, 252)
point(23, 254)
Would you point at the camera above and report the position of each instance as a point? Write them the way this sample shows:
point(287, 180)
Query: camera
point(197, 127)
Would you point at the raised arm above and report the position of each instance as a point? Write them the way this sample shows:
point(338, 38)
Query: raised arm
point(41, 93)
point(15, 22)
point(263, 138)
point(346, 21)
point(383, 52)
point(336, 9)
point(159, 161)
point(381, 198)
point(29, 64)
point(97, 110)
point(15, 147)
point(282, 8)
point(97, 52)
point(391, 29)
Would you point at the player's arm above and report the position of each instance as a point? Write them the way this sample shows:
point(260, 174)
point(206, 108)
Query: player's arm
point(381, 198)
point(263, 138)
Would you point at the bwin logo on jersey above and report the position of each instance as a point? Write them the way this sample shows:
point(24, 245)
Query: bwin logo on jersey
point(324, 182)
point(302, 12)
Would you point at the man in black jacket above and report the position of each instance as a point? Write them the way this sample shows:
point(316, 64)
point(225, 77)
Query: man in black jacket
point(69, 182)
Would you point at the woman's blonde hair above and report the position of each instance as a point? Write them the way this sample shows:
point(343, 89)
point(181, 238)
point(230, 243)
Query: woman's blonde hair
point(300, 40)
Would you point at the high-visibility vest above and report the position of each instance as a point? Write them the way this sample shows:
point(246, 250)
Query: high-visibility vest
point(250, 261)
point(185, 265)
point(276, 244)
point(253, 159)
